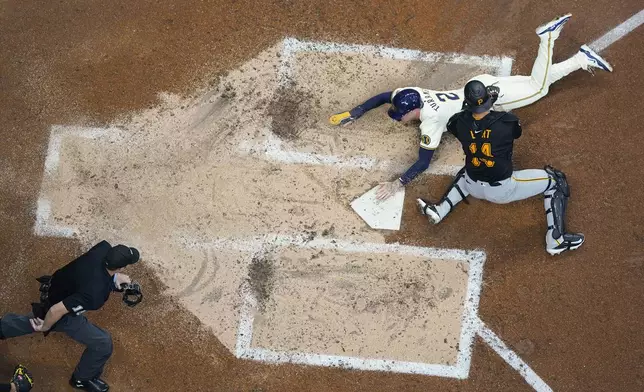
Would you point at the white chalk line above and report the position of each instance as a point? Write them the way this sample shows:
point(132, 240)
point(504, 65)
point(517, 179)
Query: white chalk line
point(58, 132)
point(618, 32)
point(43, 225)
point(291, 46)
point(272, 149)
point(471, 324)
point(460, 370)
point(512, 359)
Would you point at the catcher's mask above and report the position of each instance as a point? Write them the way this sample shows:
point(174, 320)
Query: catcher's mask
point(404, 102)
point(477, 98)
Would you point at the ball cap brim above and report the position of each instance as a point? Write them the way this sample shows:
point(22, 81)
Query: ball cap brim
point(121, 256)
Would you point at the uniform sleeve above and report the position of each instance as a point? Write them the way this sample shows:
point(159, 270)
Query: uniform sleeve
point(431, 132)
point(424, 157)
point(517, 129)
point(78, 303)
point(451, 124)
point(371, 103)
point(83, 301)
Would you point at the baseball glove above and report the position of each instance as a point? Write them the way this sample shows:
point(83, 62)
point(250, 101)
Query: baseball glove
point(132, 294)
point(22, 379)
point(343, 118)
point(493, 91)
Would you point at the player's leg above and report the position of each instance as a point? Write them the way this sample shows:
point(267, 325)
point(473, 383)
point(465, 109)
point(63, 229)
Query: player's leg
point(519, 91)
point(13, 325)
point(457, 192)
point(555, 202)
point(552, 183)
point(585, 59)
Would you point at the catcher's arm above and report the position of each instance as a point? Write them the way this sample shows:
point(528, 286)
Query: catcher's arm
point(345, 118)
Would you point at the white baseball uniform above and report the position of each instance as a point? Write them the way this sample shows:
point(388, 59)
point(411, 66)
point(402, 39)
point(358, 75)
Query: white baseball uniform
point(515, 91)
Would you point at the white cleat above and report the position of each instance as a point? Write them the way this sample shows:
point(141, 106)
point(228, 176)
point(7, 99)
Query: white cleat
point(554, 26)
point(594, 60)
point(429, 211)
point(568, 242)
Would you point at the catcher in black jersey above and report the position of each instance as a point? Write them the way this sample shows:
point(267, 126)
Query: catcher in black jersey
point(487, 138)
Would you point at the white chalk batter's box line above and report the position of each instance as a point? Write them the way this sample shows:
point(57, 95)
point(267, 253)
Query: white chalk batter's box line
point(43, 225)
point(471, 325)
point(292, 46)
point(273, 150)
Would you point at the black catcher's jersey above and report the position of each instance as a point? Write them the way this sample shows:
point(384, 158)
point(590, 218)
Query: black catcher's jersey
point(487, 143)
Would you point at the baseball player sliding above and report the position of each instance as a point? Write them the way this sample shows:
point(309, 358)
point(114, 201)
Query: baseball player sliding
point(434, 108)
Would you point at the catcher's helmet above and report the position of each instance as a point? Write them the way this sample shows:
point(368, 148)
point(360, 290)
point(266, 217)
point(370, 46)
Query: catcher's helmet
point(477, 98)
point(404, 102)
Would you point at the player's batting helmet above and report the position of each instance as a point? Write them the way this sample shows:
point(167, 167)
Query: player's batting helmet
point(404, 102)
point(477, 98)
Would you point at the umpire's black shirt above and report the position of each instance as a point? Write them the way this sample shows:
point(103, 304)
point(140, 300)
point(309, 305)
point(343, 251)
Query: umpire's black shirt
point(487, 143)
point(84, 284)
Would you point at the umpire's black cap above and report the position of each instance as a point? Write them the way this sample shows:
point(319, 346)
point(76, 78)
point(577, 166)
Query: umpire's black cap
point(477, 97)
point(121, 256)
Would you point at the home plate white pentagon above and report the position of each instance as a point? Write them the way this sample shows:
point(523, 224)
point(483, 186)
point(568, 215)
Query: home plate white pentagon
point(380, 214)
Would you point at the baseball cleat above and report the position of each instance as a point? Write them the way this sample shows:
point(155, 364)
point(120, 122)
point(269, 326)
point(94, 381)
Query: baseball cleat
point(429, 211)
point(554, 25)
point(341, 118)
point(570, 242)
point(93, 385)
point(595, 60)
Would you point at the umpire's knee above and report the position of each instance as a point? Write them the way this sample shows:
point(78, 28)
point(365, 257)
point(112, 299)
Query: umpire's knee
point(104, 344)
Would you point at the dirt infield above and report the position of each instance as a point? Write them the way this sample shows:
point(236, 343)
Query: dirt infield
point(166, 79)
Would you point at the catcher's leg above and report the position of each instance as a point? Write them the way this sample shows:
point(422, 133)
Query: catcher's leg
point(456, 193)
point(555, 202)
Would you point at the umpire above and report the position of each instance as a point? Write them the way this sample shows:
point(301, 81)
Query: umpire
point(82, 285)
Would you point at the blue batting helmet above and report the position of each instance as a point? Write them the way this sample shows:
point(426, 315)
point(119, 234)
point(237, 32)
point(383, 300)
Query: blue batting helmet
point(404, 102)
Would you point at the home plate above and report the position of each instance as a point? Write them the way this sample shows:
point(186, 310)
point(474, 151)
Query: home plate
point(380, 214)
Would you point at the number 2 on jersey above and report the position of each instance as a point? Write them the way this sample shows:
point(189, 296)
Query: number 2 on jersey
point(451, 96)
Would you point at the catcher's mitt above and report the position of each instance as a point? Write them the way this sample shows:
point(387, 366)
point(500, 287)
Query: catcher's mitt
point(22, 379)
point(132, 294)
point(493, 91)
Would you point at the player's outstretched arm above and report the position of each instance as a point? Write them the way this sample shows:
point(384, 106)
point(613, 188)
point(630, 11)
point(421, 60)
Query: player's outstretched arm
point(389, 189)
point(348, 117)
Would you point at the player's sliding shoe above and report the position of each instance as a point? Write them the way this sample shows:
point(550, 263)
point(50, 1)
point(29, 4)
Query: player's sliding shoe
point(554, 26)
point(343, 118)
point(594, 60)
point(566, 242)
point(429, 211)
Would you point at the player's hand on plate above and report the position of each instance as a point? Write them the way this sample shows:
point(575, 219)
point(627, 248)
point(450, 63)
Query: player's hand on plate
point(388, 189)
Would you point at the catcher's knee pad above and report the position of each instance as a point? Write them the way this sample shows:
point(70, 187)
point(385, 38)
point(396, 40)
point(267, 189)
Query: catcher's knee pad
point(558, 180)
point(559, 192)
